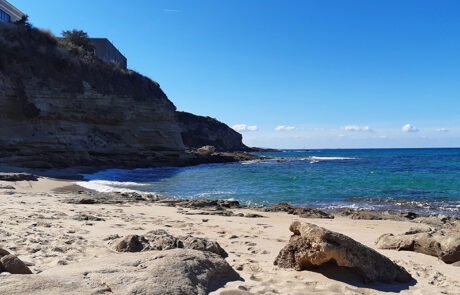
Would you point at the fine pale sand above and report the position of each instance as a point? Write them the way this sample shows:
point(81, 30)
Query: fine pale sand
point(38, 227)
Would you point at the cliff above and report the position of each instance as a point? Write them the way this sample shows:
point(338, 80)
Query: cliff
point(62, 107)
point(198, 131)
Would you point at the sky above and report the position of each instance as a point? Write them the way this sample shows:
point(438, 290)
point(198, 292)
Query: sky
point(291, 74)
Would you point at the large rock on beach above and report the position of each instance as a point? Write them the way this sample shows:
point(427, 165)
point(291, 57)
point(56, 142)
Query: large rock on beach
point(130, 243)
point(12, 264)
point(311, 245)
point(174, 272)
point(441, 243)
point(161, 240)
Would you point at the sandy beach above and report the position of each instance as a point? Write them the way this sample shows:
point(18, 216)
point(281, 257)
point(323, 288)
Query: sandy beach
point(40, 228)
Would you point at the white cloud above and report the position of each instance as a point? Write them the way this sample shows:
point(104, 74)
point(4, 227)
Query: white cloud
point(358, 128)
point(284, 128)
point(244, 127)
point(442, 130)
point(409, 128)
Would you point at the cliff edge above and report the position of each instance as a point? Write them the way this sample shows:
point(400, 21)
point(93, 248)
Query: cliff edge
point(198, 131)
point(64, 107)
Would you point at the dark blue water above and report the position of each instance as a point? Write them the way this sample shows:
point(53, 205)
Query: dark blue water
point(422, 180)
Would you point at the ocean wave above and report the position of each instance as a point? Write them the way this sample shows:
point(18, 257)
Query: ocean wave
point(316, 159)
point(105, 186)
point(331, 158)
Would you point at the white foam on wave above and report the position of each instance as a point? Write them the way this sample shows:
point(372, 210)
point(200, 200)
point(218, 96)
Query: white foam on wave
point(331, 158)
point(315, 159)
point(105, 186)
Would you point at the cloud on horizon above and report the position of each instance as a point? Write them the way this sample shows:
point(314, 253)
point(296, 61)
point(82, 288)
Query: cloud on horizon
point(409, 128)
point(284, 128)
point(354, 128)
point(244, 128)
point(442, 130)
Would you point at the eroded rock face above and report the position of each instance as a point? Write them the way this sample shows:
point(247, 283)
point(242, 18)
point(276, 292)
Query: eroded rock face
point(174, 272)
point(60, 108)
point(198, 131)
point(161, 240)
point(300, 211)
point(311, 245)
point(441, 243)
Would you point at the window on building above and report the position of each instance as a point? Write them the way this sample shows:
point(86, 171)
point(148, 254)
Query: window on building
point(4, 17)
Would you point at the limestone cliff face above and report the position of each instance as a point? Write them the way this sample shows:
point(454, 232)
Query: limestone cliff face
point(198, 131)
point(59, 108)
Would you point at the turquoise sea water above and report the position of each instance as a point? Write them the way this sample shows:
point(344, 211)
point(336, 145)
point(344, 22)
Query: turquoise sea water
point(421, 180)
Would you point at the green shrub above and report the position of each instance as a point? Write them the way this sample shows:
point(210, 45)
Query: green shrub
point(78, 38)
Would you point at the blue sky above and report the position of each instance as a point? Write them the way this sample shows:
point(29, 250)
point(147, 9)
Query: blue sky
point(332, 74)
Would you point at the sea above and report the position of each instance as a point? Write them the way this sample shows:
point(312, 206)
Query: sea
point(416, 180)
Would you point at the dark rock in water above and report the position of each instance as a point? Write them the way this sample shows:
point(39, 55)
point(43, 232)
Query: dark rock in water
point(12, 264)
point(162, 240)
point(311, 245)
point(17, 177)
point(300, 211)
point(442, 243)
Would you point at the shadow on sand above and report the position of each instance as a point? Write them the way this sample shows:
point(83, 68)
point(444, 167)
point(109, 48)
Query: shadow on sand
point(346, 275)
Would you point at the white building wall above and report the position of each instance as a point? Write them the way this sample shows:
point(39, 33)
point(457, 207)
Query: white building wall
point(14, 13)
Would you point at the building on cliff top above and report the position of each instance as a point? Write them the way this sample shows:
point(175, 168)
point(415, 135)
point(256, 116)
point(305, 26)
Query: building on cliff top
point(9, 13)
point(106, 51)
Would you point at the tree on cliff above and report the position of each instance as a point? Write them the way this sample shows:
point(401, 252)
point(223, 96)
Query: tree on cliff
point(24, 21)
point(78, 38)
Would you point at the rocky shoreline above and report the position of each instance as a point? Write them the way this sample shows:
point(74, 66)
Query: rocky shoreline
point(77, 241)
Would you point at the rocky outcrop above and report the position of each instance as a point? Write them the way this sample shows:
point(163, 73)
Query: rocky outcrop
point(17, 177)
point(161, 240)
point(206, 150)
point(311, 245)
point(63, 107)
point(198, 131)
point(173, 272)
point(300, 211)
point(12, 264)
point(442, 243)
